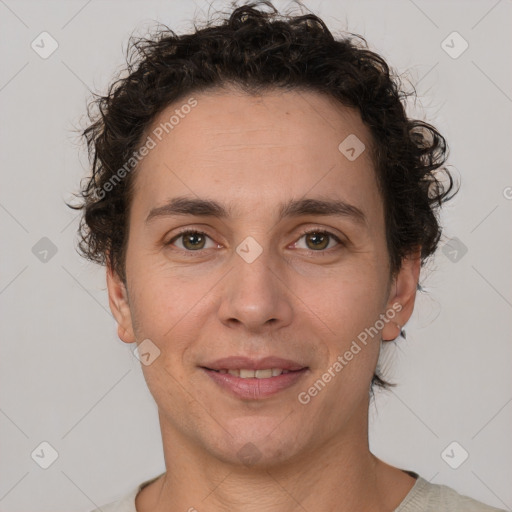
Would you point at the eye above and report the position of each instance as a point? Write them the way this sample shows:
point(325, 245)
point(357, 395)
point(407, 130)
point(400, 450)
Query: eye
point(318, 240)
point(192, 240)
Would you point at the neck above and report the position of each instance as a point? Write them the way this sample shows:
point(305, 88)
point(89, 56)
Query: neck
point(341, 475)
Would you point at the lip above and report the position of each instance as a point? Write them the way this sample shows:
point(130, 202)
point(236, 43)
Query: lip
point(255, 389)
point(246, 363)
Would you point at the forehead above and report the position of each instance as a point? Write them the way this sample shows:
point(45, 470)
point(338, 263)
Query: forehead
point(255, 149)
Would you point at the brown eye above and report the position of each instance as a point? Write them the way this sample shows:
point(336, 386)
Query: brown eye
point(318, 240)
point(190, 240)
point(193, 241)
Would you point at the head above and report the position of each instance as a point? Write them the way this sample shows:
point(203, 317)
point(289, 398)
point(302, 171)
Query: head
point(259, 190)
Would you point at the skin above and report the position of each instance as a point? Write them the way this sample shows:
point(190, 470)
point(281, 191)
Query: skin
point(253, 153)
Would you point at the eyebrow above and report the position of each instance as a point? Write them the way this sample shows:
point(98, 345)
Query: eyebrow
point(294, 208)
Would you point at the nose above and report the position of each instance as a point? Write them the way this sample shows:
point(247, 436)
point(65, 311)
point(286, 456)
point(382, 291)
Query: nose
point(255, 296)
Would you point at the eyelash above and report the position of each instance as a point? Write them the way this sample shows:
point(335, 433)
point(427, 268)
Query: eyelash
point(323, 252)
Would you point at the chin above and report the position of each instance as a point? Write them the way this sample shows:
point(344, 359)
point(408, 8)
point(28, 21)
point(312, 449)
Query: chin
point(257, 446)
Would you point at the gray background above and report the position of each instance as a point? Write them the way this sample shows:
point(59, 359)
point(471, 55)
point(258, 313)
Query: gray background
point(68, 380)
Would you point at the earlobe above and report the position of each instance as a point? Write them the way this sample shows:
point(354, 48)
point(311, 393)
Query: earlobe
point(119, 305)
point(403, 295)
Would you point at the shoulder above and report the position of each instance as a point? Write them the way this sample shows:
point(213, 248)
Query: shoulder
point(127, 502)
point(427, 497)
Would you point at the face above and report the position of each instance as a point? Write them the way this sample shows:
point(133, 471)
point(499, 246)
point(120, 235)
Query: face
point(255, 243)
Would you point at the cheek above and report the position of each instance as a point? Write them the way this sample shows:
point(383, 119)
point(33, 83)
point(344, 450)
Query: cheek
point(166, 309)
point(349, 299)
point(349, 306)
point(349, 311)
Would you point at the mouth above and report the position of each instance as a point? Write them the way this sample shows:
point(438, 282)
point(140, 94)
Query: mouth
point(255, 383)
point(253, 374)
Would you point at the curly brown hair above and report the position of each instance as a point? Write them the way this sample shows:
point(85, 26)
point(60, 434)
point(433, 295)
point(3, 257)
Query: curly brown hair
point(258, 49)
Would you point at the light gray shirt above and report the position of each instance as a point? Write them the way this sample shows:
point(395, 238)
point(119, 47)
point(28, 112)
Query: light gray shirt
point(423, 497)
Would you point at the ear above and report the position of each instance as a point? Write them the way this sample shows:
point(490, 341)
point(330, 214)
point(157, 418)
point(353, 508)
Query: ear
point(120, 307)
point(402, 295)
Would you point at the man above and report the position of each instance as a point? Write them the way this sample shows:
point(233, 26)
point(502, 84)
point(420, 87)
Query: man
point(263, 206)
